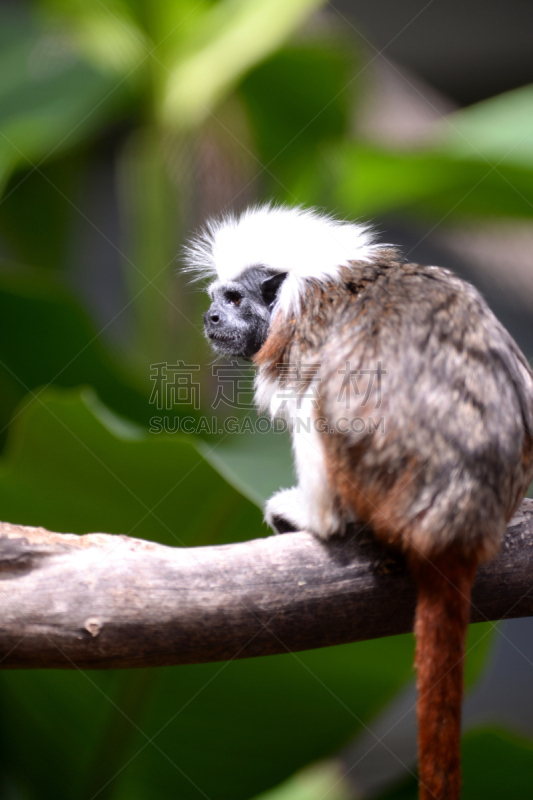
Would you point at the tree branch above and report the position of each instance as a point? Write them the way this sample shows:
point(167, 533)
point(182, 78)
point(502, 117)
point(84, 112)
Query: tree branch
point(107, 601)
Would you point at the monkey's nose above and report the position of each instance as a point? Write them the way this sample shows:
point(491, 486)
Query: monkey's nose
point(211, 318)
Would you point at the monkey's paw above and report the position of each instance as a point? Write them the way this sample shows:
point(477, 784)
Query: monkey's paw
point(284, 511)
point(288, 511)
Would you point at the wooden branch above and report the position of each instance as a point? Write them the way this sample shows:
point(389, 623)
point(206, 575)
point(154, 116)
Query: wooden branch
point(107, 601)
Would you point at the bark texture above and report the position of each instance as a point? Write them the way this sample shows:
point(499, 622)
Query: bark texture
point(103, 601)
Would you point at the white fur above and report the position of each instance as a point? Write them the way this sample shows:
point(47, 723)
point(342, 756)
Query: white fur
point(302, 242)
point(267, 395)
point(310, 505)
point(289, 505)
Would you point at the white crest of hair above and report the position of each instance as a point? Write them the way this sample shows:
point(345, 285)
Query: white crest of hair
point(304, 243)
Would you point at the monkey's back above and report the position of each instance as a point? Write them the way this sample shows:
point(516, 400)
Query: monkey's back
point(429, 402)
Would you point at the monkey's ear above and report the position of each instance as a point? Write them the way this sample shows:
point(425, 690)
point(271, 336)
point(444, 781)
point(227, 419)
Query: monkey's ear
point(270, 287)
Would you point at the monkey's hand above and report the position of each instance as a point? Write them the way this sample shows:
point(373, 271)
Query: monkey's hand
point(284, 512)
point(291, 510)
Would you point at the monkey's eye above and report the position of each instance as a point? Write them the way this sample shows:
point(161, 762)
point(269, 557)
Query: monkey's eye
point(233, 296)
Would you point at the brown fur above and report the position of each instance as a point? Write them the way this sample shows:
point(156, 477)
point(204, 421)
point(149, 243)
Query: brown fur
point(445, 475)
point(442, 616)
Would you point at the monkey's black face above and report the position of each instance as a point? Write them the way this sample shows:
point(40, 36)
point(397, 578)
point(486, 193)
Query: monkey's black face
point(238, 320)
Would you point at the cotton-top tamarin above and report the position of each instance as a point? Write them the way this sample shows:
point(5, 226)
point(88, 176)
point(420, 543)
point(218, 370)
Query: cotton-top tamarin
point(411, 410)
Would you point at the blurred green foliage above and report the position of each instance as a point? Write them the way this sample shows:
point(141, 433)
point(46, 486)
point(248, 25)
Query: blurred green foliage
point(495, 762)
point(172, 101)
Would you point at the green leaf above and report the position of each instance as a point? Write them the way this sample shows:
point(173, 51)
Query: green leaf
point(496, 764)
point(432, 185)
point(232, 37)
point(49, 98)
point(107, 34)
point(480, 165)
point(36, 220)
point(298, 100)
point(479, 640)
point(227, 730)
point(257, 464)
point(62, 718)
point(45, 337)
point(71, 465)
point(259, 720)
point(222, 730)
point(498, 130)
point(316, 782)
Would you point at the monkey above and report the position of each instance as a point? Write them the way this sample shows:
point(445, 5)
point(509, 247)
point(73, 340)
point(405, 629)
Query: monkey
point(443, 474)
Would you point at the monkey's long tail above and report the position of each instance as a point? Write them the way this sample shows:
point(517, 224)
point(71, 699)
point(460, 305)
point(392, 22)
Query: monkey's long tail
point(441, 620)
